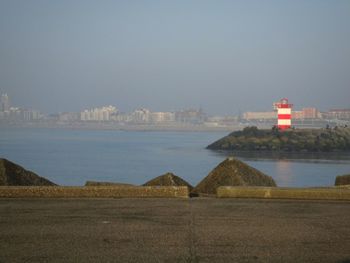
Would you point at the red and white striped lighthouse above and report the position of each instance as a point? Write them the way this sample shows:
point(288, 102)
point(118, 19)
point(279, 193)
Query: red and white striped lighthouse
point(284, 112)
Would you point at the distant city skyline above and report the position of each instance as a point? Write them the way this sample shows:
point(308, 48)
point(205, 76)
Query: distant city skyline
point(267, 106)
point(226, 57)
point(5, 105)
point(185, 119)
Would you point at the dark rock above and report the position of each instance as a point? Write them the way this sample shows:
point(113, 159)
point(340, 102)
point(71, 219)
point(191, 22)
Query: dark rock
point(13, 174)
point(94, 183)
point(232, 172)
point(168, 179)
point(252, 139)
point(342, 180)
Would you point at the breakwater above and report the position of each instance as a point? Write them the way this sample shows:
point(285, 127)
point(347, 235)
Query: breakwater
point(93, 192)
point(334, 193)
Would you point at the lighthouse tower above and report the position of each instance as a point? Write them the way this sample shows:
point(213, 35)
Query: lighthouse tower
point(284, 112)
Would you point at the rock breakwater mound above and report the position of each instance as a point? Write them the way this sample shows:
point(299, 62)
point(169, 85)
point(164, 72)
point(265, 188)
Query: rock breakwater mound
point(342, 180)
point(12, 174)
point(168, 179)
point(232, 172)
point(293, 140)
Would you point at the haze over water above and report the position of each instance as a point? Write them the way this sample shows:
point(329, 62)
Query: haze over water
point(71, 157)
point(224, 56)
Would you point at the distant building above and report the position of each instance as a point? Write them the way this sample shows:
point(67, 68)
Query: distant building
point(4, 103)
point(339, 114)
point(306, 113)
point(159, 117)
point(141, 115)
point(260, 115)
point(31, 115)
point(19, 114)
point(310, 113)
point(190, 116)
point(98, 114)
point(69, 116)
point(297, 115)
point(121, 117)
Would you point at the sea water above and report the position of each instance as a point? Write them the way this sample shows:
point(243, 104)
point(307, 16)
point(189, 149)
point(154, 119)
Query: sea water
point(72, 157)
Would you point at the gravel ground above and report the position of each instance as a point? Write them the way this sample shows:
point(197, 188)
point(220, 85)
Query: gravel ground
point(174, 230)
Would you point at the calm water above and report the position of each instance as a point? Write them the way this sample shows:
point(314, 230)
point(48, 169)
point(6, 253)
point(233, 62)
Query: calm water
point(71, 157)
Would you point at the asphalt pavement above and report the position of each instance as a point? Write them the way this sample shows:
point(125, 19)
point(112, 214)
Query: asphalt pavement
point(174, 230)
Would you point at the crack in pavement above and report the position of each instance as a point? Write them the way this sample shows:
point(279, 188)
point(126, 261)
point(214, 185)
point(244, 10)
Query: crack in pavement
point(191, 234)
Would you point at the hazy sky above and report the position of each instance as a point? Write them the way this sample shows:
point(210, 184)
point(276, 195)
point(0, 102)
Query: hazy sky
point(225, 56)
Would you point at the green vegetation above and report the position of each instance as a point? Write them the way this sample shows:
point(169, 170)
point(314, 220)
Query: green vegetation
point(294, 140)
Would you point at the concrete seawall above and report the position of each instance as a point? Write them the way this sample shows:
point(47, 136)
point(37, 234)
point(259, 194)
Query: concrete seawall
point(93, 192)
point(284, 193)
point(336, 193)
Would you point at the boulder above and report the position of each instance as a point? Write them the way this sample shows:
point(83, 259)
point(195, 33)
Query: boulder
point(168, 179)
point(232, 172)
point(342, 180)
point(15, 175)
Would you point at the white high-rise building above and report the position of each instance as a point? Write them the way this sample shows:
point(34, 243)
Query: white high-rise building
point(141, 115)
point(98, 114)
point(4, 102)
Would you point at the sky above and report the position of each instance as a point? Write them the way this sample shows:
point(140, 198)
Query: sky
point(224, 56)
